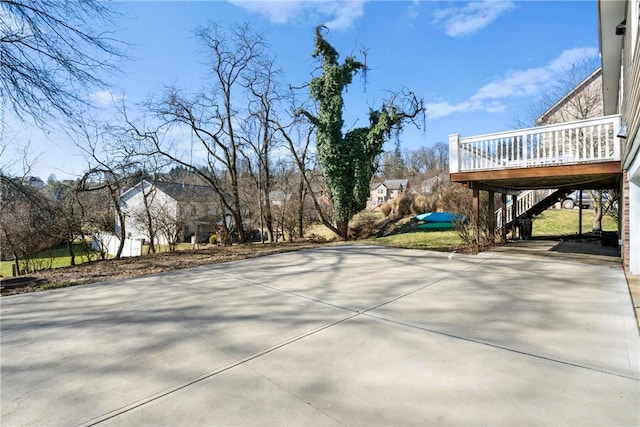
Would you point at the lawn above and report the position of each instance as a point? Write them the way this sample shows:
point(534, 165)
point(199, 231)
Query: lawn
point(432, 240)
point(560, 222)
point(53, 258)
point(551, 223)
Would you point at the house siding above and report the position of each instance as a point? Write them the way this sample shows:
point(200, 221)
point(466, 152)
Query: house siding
point(584, 102)
point(133, 207)
point(168, 202)
point(630, 110)
point(386, 191)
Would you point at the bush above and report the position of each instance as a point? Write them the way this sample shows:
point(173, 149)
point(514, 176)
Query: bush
point(420, 204)
point(402, 205)
point(386, 208)
point(455, 199)
point(316, 238)
point(459, 200)
point(366, 226)
point(212, 239)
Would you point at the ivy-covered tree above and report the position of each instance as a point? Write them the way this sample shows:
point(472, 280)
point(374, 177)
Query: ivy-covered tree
point(349, 159)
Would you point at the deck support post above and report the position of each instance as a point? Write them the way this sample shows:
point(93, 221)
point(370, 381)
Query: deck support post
point(580, 216)
point(491, 217)
point(504, 217)
point(476, 221)
point(514, 217)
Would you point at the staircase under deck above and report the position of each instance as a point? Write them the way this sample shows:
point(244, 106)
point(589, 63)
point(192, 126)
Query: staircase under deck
point(577, 155)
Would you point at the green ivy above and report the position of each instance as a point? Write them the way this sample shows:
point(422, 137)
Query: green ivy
point(348, 160)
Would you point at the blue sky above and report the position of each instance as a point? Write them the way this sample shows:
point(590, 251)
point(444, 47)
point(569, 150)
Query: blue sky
point(477, 65)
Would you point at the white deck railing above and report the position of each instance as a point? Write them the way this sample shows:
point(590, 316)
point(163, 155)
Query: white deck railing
point(584, 141)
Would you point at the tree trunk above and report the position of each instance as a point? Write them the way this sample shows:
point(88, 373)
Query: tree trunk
point(268, 215)
point(122, 219)
point(72, 254)
point(301, 209)
point(344, 230)
point(152, 238)
point(596, 198)
point(17, 264)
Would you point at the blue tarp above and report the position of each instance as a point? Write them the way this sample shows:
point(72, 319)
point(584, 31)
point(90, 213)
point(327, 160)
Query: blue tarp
point(436, 217)
point(435, 226)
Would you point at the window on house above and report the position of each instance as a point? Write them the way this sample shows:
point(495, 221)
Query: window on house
point(380, 190)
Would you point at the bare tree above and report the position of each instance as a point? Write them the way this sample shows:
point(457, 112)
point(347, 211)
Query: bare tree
point(50, 50)
point(393, 163)
point(143, 216)
point(260, 134)
point(214, 116)
point(293, 212)
point(66, 203)
point(96, 214)
point(109, 170)
point(28, 222)
point(169, 224)
point(298, 136)
point(576, 95)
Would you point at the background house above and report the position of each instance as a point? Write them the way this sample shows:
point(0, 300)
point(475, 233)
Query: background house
point(173, 210)
point(582, 102)
point(34, 181)
point(385, 191)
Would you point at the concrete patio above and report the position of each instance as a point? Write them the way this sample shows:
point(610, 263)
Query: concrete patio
point(342, 335)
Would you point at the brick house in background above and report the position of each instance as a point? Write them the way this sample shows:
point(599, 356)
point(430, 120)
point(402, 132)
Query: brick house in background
point(385, 191)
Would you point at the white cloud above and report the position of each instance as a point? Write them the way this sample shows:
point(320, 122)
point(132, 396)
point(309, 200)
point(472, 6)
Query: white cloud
point(336, 14)
point(413, 10)
point(105, 98)
point(523, 83)
point(444, 108)
point(571, 57)
point(462, 21)
point(531, 81)
point(344, 13)
point(278, 12)
point(515, 84)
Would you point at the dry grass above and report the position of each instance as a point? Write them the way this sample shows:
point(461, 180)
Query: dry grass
point(550, 223)
point(123, 268)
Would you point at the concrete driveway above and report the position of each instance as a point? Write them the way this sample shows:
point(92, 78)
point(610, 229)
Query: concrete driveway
point(344, 335)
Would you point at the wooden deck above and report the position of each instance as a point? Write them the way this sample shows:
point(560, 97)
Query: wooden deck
point(577, 155)
point(592, 176)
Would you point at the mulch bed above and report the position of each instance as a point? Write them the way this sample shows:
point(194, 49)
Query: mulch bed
point(112, 269)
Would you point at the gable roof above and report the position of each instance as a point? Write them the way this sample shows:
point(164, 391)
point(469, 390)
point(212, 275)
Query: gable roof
point(178, 191)
point(186, 192)
point(396, 184)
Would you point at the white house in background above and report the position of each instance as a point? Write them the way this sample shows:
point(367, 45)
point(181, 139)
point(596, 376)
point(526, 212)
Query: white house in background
point(178, 211)
point(620, 52)
point(385, 191)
